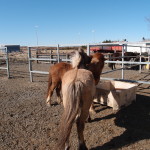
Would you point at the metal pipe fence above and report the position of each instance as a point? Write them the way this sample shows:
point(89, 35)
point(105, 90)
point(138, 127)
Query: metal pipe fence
point(58, 59)
point(6, 58)
point(124, 49)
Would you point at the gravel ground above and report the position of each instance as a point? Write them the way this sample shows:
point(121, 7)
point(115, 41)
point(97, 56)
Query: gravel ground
point(28, 124)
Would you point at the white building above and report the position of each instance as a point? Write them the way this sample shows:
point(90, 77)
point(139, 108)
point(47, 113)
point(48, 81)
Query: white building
point(139, 47)
point(10, 48)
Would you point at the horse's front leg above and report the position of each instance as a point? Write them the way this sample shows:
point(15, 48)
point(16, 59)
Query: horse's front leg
point(48, 99)
point(50, 93)
point(91, 112)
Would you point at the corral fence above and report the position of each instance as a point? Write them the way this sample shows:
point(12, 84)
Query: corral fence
point(4, 60)
point(56, 54)
point(53, 54)
point(122, 62)
point(58, 57)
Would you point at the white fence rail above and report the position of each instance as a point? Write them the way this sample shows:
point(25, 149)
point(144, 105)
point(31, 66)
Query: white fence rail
point(3, 50)
point(57, 59)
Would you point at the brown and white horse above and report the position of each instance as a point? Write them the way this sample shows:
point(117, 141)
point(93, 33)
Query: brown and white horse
point(55, 78)
point(58, 70)
point(78, 90)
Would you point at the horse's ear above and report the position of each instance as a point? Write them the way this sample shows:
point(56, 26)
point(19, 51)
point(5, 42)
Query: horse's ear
point(81, 50)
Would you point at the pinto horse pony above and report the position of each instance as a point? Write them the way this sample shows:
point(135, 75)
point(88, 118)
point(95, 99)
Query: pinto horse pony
point(55, 78)
point(58, 70)
point(78, 90)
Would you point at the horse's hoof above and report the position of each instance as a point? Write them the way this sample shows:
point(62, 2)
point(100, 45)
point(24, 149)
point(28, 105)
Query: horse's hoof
point(67, 148)
point(59, 101)
point(89, 119)
point(82, 147)
point(92, 111)
point(48, 104)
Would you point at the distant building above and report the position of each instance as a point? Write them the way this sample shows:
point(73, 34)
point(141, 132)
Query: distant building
point(139, 47)
point(12, 48)
point(106, 49)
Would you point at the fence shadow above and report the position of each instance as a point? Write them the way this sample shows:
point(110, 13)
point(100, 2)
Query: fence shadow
point(136, 120)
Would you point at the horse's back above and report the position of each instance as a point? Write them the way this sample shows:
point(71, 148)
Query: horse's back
point(83, 75)
point(78, 81)
point(59, 69)
point(60, 66)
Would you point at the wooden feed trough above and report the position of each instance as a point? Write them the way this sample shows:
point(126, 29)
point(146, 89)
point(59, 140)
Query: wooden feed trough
point(115, 93)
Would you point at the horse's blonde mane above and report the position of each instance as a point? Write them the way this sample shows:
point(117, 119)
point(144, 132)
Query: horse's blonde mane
point(76, 59)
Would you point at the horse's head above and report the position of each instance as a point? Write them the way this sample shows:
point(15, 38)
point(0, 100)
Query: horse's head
point(96, 65)
point(98, 59)
point(80, 59)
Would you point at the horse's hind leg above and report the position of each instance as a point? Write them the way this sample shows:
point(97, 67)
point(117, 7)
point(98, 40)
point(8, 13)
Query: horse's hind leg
point(50, 93)
point(91, 112)
point(80, 128)
point(58, 89)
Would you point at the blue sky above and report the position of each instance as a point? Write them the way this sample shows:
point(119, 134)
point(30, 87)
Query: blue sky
point(72, 21)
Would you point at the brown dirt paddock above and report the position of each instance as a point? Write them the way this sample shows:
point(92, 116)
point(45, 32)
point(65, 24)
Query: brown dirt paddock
point(28, 124)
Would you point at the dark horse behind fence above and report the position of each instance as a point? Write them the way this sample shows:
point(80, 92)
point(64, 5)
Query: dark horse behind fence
point(118, 56)
point(78, 90)
point(137, 66)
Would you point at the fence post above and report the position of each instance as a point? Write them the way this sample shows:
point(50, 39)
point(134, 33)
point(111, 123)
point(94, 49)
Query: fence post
point(140, 67)
point(123, 47)
point(7, 63)
point(67, 57)
point(50, 56)
point(30, 64)
point(58, 56)
point(148, 57)
point(37, 55)
point(88, 50)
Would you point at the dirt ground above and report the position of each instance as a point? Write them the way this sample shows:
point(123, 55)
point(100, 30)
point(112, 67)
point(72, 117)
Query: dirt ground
point(28, 124)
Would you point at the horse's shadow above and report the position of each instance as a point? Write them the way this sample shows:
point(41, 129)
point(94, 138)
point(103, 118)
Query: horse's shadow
point(135, 119)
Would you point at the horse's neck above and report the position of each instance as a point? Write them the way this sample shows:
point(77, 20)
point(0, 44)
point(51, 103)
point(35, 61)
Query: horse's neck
point(95, 70)
point(82, 65)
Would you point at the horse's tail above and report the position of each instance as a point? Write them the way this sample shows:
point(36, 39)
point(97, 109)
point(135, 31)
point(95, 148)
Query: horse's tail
point(72, 99)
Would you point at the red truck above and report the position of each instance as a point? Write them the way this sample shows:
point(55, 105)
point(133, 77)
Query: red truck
point(106, 49)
